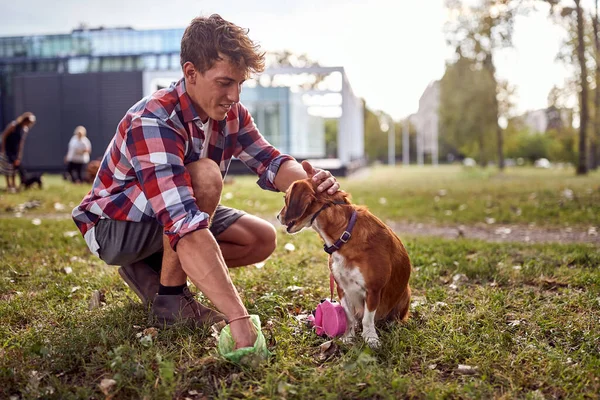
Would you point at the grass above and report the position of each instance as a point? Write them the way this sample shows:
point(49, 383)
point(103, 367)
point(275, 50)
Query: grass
point(528, 332)
point(444, 195)
point(524, 317)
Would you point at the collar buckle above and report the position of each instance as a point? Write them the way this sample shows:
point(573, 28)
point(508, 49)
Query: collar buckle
point(345, 236)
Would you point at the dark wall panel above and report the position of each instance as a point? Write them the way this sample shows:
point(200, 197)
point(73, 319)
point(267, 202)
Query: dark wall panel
point(80, 106)
point(118, 92)
point(40, 94)
point(97, 101)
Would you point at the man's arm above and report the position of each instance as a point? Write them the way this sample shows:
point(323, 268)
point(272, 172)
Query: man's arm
point(277, 171)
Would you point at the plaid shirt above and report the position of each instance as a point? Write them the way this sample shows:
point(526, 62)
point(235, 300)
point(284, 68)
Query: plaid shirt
point(143, 176)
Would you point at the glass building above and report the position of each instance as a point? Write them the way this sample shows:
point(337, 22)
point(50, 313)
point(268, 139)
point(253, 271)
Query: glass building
point(91, 77)
point(85, 51)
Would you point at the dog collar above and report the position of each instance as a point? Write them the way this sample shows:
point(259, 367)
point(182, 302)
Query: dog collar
point(345, 236)
point(327, 205)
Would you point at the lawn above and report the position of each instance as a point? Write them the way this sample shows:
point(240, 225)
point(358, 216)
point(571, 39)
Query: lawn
point(444, 195)
point(488, 320)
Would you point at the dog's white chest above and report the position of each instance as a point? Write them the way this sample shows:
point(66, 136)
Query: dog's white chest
point(350, 280)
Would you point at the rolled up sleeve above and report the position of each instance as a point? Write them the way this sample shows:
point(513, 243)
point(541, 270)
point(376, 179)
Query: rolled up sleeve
point(156, 151)
point(256, 152)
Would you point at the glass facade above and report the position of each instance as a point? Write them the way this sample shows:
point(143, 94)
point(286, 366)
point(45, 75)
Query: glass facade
point(85, 50)
point(91, 42)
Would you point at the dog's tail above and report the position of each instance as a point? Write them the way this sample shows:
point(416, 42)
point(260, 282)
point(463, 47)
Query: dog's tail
point(401, 312)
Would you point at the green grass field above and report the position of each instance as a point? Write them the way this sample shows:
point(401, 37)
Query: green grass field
point(448, 194)
point(524, 318)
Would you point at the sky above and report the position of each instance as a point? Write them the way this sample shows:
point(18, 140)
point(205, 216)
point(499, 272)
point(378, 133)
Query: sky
point(390, 49)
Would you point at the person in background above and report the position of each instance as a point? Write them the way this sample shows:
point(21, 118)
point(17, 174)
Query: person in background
point(78, 154)
point(11, 150)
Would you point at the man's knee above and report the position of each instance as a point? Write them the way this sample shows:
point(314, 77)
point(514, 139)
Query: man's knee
point(207, 183)
point(266, 241)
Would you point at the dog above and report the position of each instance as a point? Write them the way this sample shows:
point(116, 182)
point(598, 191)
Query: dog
point(29, 179)
point(367, 260)
point(91, 171)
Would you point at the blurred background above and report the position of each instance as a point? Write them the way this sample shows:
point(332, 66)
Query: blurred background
point(348, 83)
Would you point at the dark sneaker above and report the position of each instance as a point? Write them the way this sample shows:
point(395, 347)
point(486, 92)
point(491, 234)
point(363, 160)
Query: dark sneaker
point(183, 308)
point(142, 279)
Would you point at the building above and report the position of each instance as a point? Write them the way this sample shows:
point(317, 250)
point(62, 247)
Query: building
point(545, 119)
point(91, 77)
point(426, 122)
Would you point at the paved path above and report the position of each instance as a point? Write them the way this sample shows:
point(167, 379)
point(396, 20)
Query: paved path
point(491, 233)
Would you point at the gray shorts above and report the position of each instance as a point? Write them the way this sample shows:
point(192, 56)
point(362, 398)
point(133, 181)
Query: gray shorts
point(125, 242)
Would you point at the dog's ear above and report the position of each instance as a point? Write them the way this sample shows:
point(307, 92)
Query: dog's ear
point(300, 196)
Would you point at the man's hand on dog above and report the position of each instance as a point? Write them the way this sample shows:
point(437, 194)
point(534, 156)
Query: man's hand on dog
point(326, 180)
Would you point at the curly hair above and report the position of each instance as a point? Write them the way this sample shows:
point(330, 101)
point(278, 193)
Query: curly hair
point(206, 40)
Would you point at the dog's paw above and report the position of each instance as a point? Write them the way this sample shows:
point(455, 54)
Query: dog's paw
point(373, 342)
point(348, 337)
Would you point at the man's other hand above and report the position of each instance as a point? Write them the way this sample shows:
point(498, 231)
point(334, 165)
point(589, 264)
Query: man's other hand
point(324, 178)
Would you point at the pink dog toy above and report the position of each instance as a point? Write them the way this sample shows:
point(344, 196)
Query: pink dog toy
point(329, 319)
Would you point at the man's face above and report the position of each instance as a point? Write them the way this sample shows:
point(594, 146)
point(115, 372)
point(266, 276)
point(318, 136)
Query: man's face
point(217, 90)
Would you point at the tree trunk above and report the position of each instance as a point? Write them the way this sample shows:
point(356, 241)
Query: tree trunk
point(489, 65)
point(596, 136)
point(582, 165)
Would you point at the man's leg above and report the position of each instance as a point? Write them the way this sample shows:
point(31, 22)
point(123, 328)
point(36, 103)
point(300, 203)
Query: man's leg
point(207, 185)
point(246, 241)
point(174, 300)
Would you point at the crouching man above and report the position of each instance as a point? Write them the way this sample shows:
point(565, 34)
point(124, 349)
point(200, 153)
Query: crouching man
point(154, 205)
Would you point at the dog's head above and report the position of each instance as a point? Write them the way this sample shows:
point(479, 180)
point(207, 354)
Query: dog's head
point(302, 201)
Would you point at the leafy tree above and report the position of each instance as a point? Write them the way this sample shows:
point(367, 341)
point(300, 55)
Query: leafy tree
point(574, 16)
point(595, 139)
point(476, 32)
point(468, 109)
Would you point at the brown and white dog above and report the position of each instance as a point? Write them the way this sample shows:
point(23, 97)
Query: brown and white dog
point(368, 261)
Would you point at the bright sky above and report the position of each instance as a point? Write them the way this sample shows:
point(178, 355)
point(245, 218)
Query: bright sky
point(391, 50)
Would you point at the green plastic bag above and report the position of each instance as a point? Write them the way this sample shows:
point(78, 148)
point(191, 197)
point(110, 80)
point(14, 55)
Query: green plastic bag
point(244, 355)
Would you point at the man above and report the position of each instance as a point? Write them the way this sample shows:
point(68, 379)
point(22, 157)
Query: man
point(159, 184)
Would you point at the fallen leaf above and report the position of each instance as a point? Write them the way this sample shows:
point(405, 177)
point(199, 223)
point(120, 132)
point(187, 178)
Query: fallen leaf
point(153, 332)
point(96, 300)
point(289, 247)
point(59, 206)
point(259, 265)
point(106, 385)
point(36, 221)
point(68, 270)
point(466, 369)
point(70, 234)
point(327, 350)
point(75, 288)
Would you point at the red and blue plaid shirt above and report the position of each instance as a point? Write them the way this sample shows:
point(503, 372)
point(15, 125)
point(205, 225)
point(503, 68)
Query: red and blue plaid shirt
point(143, 176)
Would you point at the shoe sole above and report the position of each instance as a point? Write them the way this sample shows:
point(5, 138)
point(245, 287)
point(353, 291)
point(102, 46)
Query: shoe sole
point(129, 281)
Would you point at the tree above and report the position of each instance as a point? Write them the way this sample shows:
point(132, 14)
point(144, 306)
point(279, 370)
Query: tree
point(594, 155)
point(477, 32)
point(568, 12)
point(468, 117)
